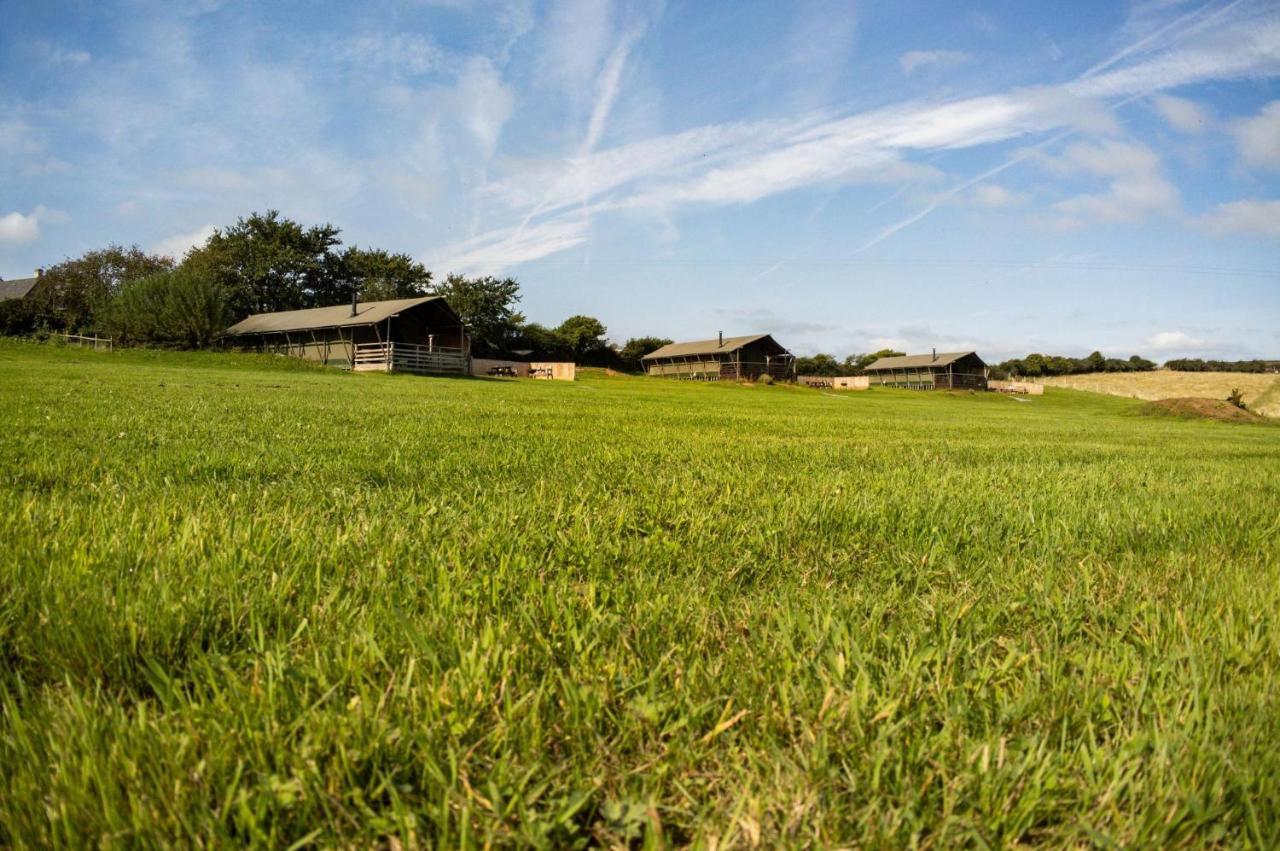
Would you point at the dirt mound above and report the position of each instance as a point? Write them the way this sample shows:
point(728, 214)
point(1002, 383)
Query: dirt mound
point(1208, 409)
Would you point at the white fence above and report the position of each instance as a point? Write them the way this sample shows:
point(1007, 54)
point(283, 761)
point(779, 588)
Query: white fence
point(408, 357)
point(98, 344)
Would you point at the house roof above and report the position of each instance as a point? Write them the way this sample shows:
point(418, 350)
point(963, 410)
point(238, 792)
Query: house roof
point(703, 347)
point(917, 361)
point(17, 288)
point(337, 316)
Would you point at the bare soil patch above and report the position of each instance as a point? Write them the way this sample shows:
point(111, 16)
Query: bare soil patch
point(1201, 408)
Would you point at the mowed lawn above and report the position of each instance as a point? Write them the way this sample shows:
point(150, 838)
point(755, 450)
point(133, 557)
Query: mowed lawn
point(247, 601)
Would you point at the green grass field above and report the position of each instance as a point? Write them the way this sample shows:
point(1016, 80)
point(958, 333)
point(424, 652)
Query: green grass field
point(247, 601)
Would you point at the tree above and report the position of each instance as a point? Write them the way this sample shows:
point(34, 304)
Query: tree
point(266, 262)
point(487, 307)
point(1141, 364)
point(377, 275)
point(74, 293)
point(539, 339)
point(581, 334)
point(178, 308)
point(1034, 365)
point(637, 347)
point(819, 364)
point(1096, 362)
point(864, 361)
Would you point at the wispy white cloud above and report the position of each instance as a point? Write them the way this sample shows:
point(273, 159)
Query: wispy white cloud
point(995, 195)
point(745, 162)
point(409, 53)
point(1259, 137)
point(577, 36)
point(913, 60)
point(496, 250)
point(1243, 50)
point(55, 54)
point(1137, 188)
point(1185, 116)
point(18, 228)
point(1249, 217)
point(178, 245)
point(1165, 342)
point(812, 56)
point(984, 24)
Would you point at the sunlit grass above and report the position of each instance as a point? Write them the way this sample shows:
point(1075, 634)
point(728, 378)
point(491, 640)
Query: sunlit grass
point(247, 601)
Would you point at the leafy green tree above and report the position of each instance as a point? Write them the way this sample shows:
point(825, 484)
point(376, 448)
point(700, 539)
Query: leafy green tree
point(637, 347)
point(178, 308)
point(581, 335)
point(819, 364)
point(266, 262)
point(1095, 362)
point(74, 294)
point(487, 306)
point(864, 361)
point(1141, 364)
point(1034, 365)
point(539, 339)
point(377, 275)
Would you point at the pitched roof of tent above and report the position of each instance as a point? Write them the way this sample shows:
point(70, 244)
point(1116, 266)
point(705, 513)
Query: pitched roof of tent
point(706, 347)
point(337, 316)
point(917, 361)
point(17, 288)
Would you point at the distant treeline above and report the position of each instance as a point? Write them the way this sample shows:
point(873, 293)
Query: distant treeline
point(1036, 365)
point(1198, 365)
point(826, 365)
point(266, 262)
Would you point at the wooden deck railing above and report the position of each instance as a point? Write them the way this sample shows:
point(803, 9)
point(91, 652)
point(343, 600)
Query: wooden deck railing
point(408, 357)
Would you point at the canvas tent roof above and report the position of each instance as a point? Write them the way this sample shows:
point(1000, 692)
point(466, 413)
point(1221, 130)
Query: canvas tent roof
point(337, 316)
point(17, 288)
point(703, 347)
point(917, 361)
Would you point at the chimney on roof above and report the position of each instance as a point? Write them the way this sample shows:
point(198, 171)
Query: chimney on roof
point(935, 354)
point(721, 339)
point(355, 294)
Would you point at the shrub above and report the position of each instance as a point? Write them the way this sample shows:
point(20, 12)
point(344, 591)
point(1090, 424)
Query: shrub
point(178, 308)
point(1236, 398)
point(765, 379)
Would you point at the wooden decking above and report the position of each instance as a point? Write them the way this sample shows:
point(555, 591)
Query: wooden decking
point(408, 357)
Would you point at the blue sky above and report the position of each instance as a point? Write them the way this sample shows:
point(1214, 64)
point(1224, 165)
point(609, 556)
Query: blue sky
point(1009, 176)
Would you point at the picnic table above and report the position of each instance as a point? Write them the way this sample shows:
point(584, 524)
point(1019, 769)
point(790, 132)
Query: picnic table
point(503, 370)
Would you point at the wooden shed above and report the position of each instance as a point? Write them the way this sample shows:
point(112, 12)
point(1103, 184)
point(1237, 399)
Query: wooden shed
point(936, 371)
point(724, 357)
point(420, 335)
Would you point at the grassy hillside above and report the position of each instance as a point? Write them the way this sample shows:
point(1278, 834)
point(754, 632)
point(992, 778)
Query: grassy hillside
point(247, 601)
point(1261, 391)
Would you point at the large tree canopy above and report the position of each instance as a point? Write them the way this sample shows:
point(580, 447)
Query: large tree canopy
point(637, 347)
point(487, 306)
point(377, 275)
point(73, 294)
point(265, 262)
point(581, 335)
